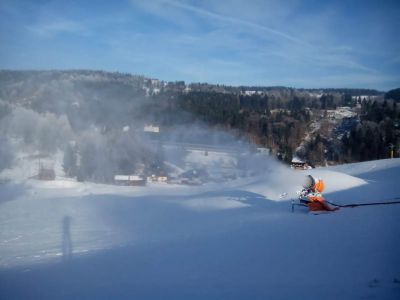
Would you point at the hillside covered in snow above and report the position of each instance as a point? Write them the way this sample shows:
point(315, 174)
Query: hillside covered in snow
point(238, 239)
point(95, 108)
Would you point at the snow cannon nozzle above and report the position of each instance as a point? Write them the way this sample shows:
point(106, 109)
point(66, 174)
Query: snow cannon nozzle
point(309, 182)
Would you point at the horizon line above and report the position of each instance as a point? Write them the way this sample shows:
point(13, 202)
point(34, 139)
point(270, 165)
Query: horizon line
point(192, 82)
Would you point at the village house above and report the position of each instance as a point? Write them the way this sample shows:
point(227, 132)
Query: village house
point(46, 174)
point(46, 169)
point(151, 128)
point(299, 164)
point(132, 180)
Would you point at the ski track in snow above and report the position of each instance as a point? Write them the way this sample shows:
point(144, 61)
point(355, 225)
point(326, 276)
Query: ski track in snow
point(236, 240)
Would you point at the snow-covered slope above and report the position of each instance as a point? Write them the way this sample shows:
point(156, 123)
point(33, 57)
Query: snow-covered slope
point(237, 240)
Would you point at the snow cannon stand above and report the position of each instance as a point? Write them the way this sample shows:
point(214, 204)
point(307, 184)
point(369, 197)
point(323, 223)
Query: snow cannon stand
point(300, 201)
point(315, 207)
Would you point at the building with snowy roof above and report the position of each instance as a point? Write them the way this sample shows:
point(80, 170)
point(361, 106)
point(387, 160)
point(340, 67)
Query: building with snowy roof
point(299, 164)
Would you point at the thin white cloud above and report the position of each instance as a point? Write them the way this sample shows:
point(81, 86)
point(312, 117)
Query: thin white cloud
point(214, 41)
point(236, 21)
point(290, 46)
point(55, 27)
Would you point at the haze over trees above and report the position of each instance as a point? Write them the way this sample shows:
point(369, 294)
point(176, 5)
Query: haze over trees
point(84, 113)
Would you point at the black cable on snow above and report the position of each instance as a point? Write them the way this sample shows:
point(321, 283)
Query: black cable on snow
point(366, 204)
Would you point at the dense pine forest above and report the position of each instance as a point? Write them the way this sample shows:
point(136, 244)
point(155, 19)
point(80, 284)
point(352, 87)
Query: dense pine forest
point(294, 123)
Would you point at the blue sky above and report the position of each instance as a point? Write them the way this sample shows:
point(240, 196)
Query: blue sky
point(294, 43)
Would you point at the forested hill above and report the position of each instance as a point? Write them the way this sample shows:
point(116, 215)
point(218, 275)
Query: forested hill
point(318, 125)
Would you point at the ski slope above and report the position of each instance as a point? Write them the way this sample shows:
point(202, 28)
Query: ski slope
point(236, 240)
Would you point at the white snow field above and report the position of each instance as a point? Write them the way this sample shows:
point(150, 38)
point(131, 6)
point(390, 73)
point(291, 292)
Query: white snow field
point(236, 240)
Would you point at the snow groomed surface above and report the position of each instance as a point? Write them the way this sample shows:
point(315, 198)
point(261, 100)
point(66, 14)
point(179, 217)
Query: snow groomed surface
point(237, 240)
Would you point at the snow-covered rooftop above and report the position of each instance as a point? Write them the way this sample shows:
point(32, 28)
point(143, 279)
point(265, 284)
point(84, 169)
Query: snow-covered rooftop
point(297, 160)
